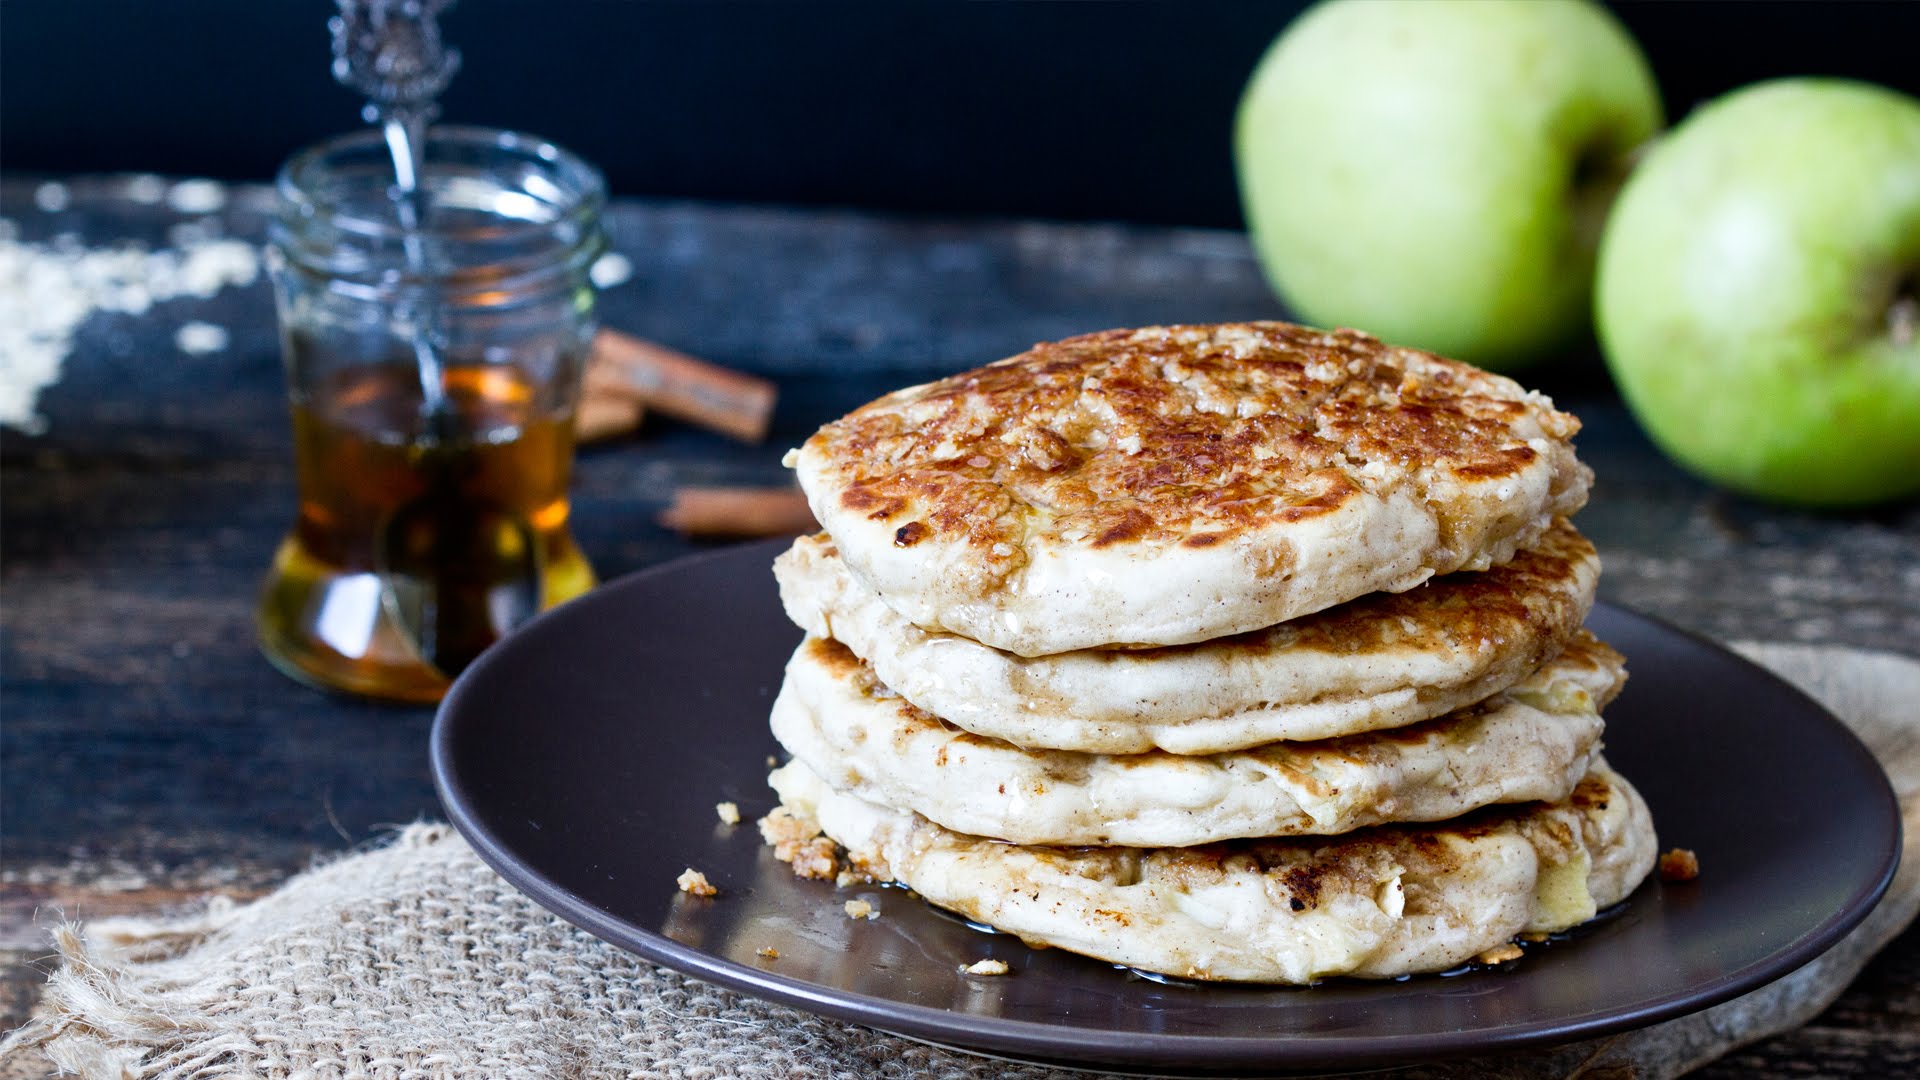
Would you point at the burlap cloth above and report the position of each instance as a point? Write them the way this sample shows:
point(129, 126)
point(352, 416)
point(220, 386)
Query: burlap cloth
point(416, 960)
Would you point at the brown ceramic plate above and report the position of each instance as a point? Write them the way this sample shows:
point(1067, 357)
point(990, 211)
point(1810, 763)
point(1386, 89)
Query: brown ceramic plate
point(583, 757)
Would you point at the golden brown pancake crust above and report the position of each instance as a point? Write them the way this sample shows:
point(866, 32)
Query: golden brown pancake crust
point(1181, 434)
point(1532, 743)
point(1377, 902)
point(1525, 599)
point(1382, 660)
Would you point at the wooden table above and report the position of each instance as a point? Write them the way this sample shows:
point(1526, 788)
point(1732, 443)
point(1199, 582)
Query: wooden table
point(152, 756)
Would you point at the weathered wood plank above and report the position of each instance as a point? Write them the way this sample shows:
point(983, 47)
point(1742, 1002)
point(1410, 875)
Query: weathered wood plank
point(1820, 1051)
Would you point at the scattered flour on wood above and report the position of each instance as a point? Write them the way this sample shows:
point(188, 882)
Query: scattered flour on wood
point(199, 338)
point(48, 290)
point(197, 196)
point(51, 197)
point(146, 189)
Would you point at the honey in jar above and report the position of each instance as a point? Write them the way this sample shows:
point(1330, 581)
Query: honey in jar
point(410, 552)
point(433, 368)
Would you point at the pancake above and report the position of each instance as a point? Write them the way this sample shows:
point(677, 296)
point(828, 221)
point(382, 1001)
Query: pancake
point(1176, 484)
point(1531, 742)
point(1377, 903)
point(1381, 661)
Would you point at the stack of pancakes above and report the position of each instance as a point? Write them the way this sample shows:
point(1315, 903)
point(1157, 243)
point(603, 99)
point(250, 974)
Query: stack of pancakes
point(1246, 652)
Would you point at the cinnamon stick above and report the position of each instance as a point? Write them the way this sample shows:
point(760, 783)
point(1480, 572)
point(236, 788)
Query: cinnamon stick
point(603, 415)
point(739, 511)
point(673, 383)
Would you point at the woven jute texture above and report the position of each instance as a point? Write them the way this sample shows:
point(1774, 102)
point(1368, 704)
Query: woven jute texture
point(416, 960)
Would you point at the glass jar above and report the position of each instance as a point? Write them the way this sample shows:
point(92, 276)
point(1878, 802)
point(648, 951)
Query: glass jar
point(433, 373)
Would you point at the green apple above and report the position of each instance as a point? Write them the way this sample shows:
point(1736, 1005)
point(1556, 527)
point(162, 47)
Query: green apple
point(1757, 292)
point(1436, 171)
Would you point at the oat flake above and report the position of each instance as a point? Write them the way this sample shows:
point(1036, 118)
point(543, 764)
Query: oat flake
point(199, 338)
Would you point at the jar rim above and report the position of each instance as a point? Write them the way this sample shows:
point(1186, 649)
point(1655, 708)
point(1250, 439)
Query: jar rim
point(300, 181)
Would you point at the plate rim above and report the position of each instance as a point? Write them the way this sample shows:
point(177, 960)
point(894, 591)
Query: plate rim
point(1044, 1043)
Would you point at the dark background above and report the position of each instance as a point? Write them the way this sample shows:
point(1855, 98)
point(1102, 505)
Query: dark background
point(1066, 110)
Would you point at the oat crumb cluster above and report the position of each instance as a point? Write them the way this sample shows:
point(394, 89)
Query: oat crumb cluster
point(695, 883)
point(1247, 652)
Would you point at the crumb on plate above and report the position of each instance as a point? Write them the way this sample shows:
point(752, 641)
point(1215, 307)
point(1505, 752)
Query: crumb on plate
point(798, 842)
point(695, 882)
point(1500, 954)
point(860, 909)
point(987, 967)
point(768, 952)
point(729, 812)
point(1679, 864)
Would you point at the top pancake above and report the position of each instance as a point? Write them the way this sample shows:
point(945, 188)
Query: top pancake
point(1175, 484)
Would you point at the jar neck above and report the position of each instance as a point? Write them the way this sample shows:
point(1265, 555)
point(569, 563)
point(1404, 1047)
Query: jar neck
point(500, 215)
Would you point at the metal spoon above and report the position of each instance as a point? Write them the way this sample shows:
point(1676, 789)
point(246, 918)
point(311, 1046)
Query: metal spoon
point(457, 570)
